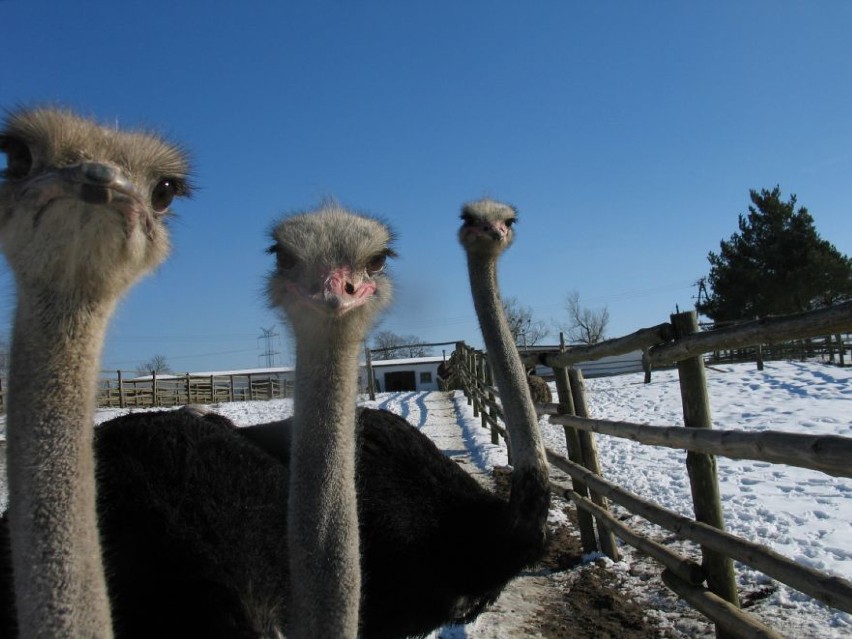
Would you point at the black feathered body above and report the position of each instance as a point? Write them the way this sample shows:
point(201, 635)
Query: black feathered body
point(193, 514)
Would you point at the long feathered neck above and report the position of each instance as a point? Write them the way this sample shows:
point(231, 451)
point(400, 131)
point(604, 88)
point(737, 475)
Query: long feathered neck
point(530, 479)
point(325, 575)
point(59, 579)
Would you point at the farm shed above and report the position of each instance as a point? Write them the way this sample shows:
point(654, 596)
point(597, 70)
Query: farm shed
point(415, 374)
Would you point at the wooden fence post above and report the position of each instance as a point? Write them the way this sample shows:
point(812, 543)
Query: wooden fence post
point(371, 382)
point(475, 384)
point(482, 376)
point(702, 467)
point(154, 395)
point(466, 365)
point(572, 439)
point(589, 451)
point(471, 377)
point(842, 348)
point(121, 403)
point(485, 373)
point(492, 411)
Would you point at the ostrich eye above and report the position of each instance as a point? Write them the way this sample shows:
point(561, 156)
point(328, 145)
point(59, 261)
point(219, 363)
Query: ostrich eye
point(376, 264)
point(510, 221)
point(19, 159)
point(467, 218)
point(163, 194)
point(284, 259)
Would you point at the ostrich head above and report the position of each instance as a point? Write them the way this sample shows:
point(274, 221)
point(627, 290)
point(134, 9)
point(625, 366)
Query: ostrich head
point(82, 206)
point(487, 227)
point(330, 269)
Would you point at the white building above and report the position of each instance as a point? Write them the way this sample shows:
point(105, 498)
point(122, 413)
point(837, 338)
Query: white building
point(414, 374)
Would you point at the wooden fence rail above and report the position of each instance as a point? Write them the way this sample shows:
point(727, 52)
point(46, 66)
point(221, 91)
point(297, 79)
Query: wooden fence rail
point(661, 347)
point(768, 330)
point(679, 342)
point(835, 591)
point(830, 454)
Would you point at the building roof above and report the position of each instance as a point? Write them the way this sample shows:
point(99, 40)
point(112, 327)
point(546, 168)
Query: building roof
point(407, 361)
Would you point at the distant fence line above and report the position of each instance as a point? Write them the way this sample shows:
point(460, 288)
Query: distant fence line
point(709, 586)
point(177, 390)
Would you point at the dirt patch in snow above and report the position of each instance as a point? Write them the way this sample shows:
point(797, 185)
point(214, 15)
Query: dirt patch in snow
point(563, 596)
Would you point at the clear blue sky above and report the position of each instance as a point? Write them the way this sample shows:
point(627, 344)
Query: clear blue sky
point(628, 134)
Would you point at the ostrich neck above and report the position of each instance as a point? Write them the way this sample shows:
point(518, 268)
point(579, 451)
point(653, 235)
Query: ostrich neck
point(323, 531)
point(506, 367)
point(59, 580)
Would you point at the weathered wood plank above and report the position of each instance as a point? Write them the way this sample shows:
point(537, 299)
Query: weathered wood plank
point(701, 467)
point(589, 453)
point(640, 340)
point(572, 441)
point(829, 454)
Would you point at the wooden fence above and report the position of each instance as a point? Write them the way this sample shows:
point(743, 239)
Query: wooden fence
point(177, 390)
point(709, 586)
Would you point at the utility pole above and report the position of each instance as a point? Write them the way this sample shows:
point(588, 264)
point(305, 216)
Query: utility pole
point(268, 336)
point(702, 292)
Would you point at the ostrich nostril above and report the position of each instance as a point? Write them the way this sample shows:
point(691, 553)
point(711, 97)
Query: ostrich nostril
point(98, 173)
point(349, 288)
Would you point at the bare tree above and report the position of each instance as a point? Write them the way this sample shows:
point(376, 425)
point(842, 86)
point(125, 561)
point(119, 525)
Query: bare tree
point(157, 364)
point(392, 346)
point(525, 331)
point(585, 326)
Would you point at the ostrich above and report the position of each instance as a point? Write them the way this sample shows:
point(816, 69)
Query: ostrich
point(82, 210)
point(539, 389)
point(266, 546)
point(485, 233)
point(330, 283)
point(447, 373)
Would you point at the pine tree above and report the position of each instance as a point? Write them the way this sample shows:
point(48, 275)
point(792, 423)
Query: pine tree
point(776, 264)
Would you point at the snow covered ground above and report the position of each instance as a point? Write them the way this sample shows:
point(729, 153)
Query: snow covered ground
point(803, 514)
